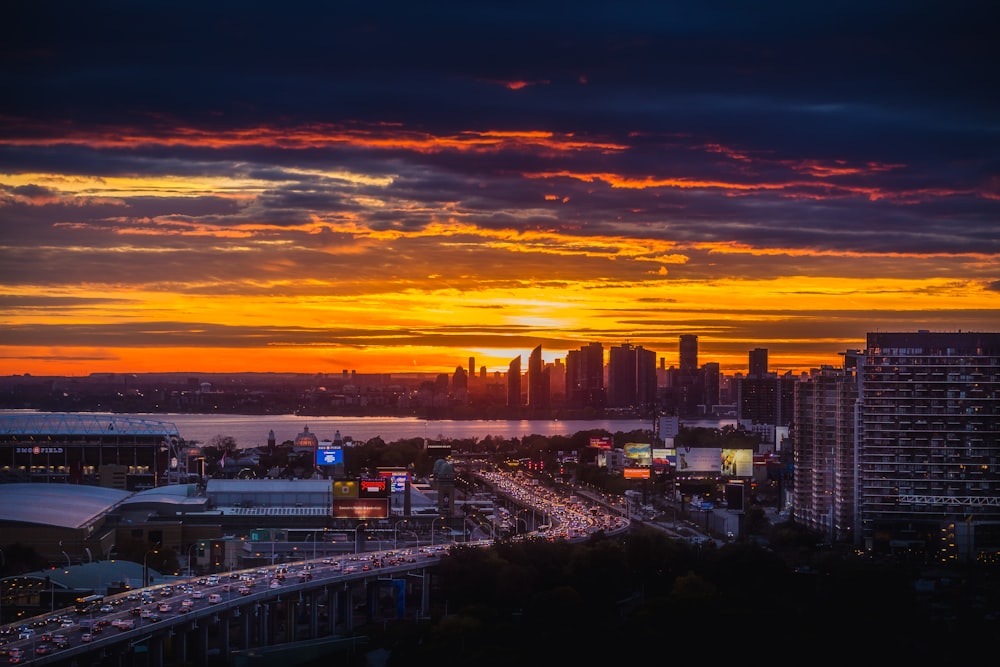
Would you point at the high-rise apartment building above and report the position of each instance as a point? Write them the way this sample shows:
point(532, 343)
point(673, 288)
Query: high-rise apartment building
point(903, 452)
point(929, 428)
point(825, 452)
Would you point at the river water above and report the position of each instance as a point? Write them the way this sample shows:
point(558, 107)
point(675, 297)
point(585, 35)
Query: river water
point(252, 430)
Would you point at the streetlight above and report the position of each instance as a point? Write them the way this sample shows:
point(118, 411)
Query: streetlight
point(517, 514)
point(145, 566)
point(312, 536)
point(190, 557)
point(440, 518)
point(395, 533)
point(356, 529)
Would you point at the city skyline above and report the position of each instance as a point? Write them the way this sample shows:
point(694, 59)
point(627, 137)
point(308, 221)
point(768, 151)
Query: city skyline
point(400, 189)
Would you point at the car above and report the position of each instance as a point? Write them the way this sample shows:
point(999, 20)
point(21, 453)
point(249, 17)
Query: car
point(106, 608)
point(197, 595)
point(44, 649)
point(183, 610)
point(86, 637)
point(163, 607)
point(26, 633)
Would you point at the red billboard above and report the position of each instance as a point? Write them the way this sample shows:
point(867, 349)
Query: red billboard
point(636, 473)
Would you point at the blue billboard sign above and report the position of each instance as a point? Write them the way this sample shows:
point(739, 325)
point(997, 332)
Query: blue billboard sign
point(329, 457)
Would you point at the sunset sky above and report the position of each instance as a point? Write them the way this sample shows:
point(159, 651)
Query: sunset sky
point(396, 187)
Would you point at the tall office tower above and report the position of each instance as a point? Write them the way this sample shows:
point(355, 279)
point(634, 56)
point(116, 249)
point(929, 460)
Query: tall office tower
point(688, 354)
point(712, 379)
point(631, 377)
point(621, 376)
point(823, 437)
point(758, 362)
point(689, 390)
point(585, 377)
point(460, 383)
point(557, 382)
point(514, 383)
point(929, 441)
point(472, 367)
point(538, 381)
point(645, 378)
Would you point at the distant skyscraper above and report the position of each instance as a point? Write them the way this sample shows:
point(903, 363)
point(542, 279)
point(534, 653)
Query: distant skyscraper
point(514, 383)
point(712, 378)
point(631, 377)
point(585, 377)
point(688, 349)
point(689, 389)
point(758, 362)
point(538, 381)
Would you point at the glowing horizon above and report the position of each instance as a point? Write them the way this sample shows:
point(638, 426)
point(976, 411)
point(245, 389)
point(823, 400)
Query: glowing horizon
point(297, 215)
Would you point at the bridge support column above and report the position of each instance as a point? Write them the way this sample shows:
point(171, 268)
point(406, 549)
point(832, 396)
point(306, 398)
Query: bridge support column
point(245, 629)
point(181, 641)
point(203, 641)
point(313, 599)
point(425, 592)
point(224, 632)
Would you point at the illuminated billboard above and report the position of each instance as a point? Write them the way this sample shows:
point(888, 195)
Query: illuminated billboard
point(396, 479)
point(699, 460)
point(664, 459)
point(361, 508)
point(601, 442)
point(329, 456)
point(373, 488)
point(737, 462)
point(345, 489)
point(636, 473)
point(639, 453)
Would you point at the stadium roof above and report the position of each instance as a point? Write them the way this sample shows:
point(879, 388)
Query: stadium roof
point(60, 505)
point(91, 424)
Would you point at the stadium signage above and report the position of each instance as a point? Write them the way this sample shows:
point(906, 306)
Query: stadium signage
point(39, 450)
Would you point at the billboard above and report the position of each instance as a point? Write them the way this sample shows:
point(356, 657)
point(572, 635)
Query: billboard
point(329, 456)
point(636, 473)
point(373, 488)
point(396, 479)
point(664, 459)
point(737, 462)
point(699, 460)
point(345, 489)
point(639, 453)
point(361, 508)
point(601, 442)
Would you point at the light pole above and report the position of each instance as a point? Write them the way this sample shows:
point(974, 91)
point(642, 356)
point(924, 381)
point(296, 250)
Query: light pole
point(517, 514)
point(395, 533)
point(356, 529)
point(190, 557)
point(312, 536)
point(145, 566)
point(440, 518)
